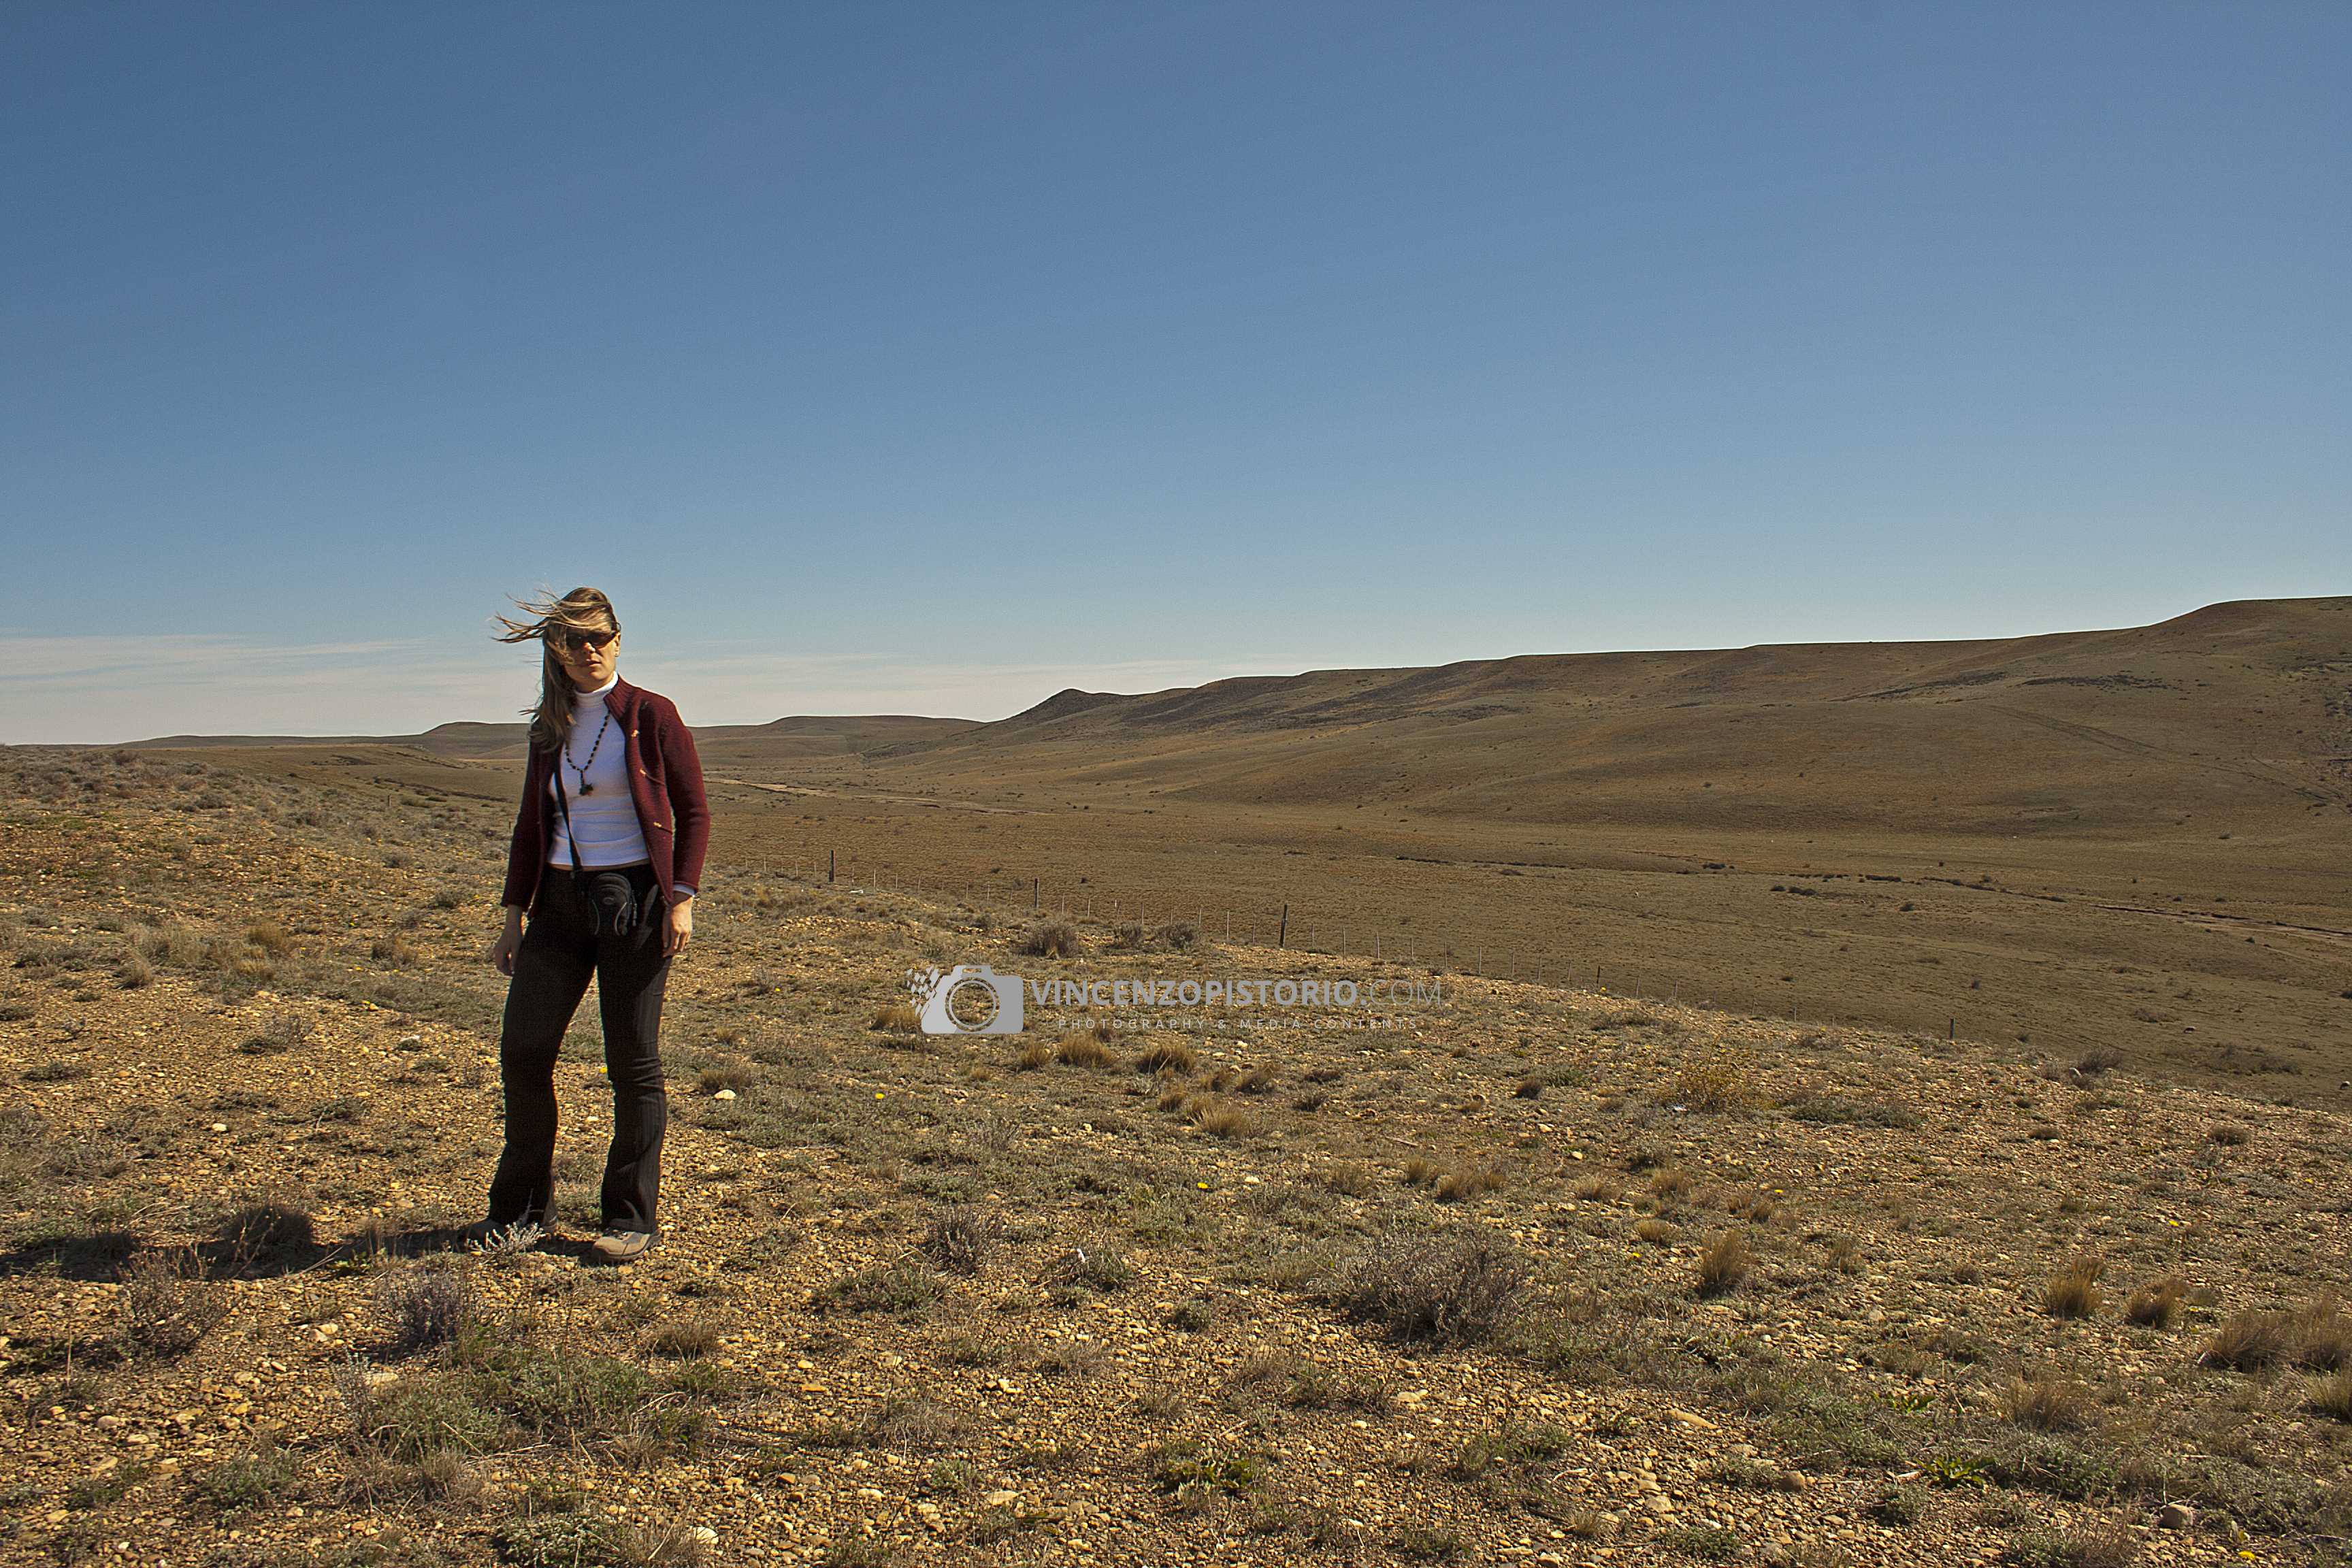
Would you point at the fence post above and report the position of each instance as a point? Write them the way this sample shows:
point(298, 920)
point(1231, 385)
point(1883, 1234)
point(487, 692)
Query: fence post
point(1282, 931)
point(828, 866)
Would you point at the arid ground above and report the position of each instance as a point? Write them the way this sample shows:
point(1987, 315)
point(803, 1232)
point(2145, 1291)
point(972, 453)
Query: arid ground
point(2010, 1225)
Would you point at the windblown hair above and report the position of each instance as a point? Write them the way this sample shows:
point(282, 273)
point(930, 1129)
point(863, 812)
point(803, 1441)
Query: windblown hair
point(580, 610)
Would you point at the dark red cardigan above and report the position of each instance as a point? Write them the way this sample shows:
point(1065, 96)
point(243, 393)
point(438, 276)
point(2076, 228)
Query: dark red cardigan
point(664, 781)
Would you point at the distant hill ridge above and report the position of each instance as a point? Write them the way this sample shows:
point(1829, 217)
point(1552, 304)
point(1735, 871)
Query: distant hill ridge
point(2243, 708)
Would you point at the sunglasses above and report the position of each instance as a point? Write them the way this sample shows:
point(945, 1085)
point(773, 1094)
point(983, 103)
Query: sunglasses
point(577, 640)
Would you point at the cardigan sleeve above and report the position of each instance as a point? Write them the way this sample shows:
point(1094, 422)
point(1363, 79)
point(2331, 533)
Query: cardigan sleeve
point(527, 847)
point(690, 811)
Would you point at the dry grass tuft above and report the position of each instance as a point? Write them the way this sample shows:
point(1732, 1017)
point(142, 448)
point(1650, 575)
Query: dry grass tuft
point(1086, 1048)
point(1034, 1055)
point(1222, 1120)
point(2250, 1341)
point(2073, 1291)
point(1165, 1056)
point(687, 1339)
point(2049, 1404)
point(2156, 1304)
point(1672, 1185)
point(1466, 1181)
point(2331, 1396)
point(1724, 1263)
point(898, 1018)
point(2322, 1336)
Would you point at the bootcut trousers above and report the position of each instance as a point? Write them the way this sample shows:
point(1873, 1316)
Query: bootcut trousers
point(558, 952)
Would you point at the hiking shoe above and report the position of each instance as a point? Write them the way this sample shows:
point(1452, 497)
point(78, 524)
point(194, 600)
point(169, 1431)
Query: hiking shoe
point(622, 1246)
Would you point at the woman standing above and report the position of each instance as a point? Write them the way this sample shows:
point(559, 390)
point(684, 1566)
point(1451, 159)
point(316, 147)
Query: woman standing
point(607, 851)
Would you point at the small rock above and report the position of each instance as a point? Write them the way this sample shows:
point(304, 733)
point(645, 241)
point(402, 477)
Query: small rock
point(1002, 1499)
point(705, 1534)
point(724, 1094)
point(2176, 1516)
point(220, 1126)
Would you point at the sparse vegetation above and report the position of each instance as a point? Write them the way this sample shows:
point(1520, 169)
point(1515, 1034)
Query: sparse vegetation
point(2073, 1291)
point(1785, 1266)
point(1451, 1287)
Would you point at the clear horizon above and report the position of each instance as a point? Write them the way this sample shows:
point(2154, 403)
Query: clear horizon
point(910, 358)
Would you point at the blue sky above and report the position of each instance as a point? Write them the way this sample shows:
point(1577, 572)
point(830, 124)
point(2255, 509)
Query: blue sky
point(930, 358)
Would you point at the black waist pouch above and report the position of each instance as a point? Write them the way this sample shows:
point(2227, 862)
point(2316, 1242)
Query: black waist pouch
point(612, 897)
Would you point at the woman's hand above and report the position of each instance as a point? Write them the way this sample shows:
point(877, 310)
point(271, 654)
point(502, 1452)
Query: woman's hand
point(502, 950)
point(681, 927)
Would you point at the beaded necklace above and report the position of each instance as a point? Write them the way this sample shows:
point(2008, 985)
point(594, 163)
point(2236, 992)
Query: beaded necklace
point(582, 768)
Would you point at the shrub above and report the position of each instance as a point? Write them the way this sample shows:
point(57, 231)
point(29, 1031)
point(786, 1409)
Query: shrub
point(393, 949)
point(168, 1306)
point(1189, 1465)
point(913, 1423)
point(1182, 936)
point(684, 1338)
point(564, 1396)
point(1055, 939)
point(571, 1540)
point(737, 1076)
point(904, 1286)
point(1098, 1268)
point(1454, 1287)
point(264, 1475)
point(2073, 1291)
point(1509, 1444)
point(2229, 1135)
point(417, 1417)
point(1724, 1263)
point(1723, 1084)
point(424, 1306)
point(2111, 1548)
point(962, 1238)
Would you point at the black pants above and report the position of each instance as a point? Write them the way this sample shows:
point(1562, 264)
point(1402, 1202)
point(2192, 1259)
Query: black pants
point(559, 951)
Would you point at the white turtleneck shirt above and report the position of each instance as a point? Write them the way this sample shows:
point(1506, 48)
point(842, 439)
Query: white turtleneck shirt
point(604, 813)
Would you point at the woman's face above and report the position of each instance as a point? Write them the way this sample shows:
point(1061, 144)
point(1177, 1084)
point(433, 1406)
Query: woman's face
point(588, 663)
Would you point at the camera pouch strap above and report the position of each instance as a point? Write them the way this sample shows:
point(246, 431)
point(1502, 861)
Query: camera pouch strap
point(581, 885)
point(569, 833)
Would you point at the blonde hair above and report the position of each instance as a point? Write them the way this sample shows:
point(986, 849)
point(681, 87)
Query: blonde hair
point(580, 610)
